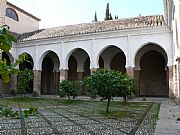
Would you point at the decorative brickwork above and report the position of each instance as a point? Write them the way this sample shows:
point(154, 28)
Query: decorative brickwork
point(171, 81)
point(80, 75)
point(56, 82)
point(37, 81)
point(136, 76)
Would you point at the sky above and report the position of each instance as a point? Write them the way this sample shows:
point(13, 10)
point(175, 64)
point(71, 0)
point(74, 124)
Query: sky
point(54, 13)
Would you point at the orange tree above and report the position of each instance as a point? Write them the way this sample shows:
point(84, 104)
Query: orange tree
point(69, 88)
point(109, 83)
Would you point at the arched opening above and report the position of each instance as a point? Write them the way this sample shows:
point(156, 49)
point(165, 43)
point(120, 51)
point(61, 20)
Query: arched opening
point(27, 64)
point(50, 74)
point(72, 65)
point(118, 62)
point(11, 13)
point(113, 58)
point(101, 62)
point(5, 87)
point(152, 71)
point(86, 67)
point(79, 64)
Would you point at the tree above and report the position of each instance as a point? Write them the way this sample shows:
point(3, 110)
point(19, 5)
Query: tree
point(108, 15)
point(6, 41)
point(107, 12)
point(69, 88)
point(104, 83)
point(109, 83)
point(95, 17)
point(128, 87)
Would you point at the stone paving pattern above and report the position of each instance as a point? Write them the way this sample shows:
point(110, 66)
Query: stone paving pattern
point(167, 123)
point(76, 119)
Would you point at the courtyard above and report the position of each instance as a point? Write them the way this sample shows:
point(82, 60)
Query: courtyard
point(79, 117)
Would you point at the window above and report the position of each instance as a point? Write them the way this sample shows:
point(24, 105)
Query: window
point(11, 13)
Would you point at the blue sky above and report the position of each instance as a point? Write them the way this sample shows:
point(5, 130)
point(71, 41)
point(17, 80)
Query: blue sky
point(55, 13)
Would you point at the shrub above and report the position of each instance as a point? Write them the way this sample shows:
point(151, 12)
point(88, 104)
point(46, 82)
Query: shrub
point(10, 113)
point(24, 78)
point(69, 88)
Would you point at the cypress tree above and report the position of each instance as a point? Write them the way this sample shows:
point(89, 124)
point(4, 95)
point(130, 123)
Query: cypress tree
point(107, 12)
point(95, 17)
point(110, 17)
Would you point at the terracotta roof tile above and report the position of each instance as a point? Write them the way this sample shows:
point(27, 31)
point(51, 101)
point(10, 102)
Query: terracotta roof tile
point(104, 26)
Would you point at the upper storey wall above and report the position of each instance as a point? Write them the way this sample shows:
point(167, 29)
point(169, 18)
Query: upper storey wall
point(26, 22)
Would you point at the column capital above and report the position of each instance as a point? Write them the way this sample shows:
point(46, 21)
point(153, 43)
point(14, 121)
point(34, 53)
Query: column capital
point(93, 70)
point(63, 74)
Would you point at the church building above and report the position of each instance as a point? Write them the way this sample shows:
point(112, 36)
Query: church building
point(145, 47)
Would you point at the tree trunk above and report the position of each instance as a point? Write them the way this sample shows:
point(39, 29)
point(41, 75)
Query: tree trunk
point(68, 98)
point(107, 109)
point(125, 99)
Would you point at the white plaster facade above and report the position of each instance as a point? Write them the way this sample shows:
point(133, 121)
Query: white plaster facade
point(129, 41)
point(134, 42)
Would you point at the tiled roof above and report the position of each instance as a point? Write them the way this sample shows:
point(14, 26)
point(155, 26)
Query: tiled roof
point(96, 27)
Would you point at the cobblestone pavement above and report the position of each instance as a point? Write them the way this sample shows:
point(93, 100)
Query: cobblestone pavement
point(54, 118)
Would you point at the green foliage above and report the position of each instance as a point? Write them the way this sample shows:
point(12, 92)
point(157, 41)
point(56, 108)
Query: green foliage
point(29, 112)
point(127, 86)
point(6, 41)
point(107, 12)
point(24, 78)
point(10, 113)
point(107, 84)
point(95, 17)
point(69, 88)
point(104, 83)
point(108, 15)
point(116, 17)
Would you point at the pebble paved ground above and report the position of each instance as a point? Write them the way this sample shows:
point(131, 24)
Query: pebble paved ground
point(169, 112)
point(78, 120)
